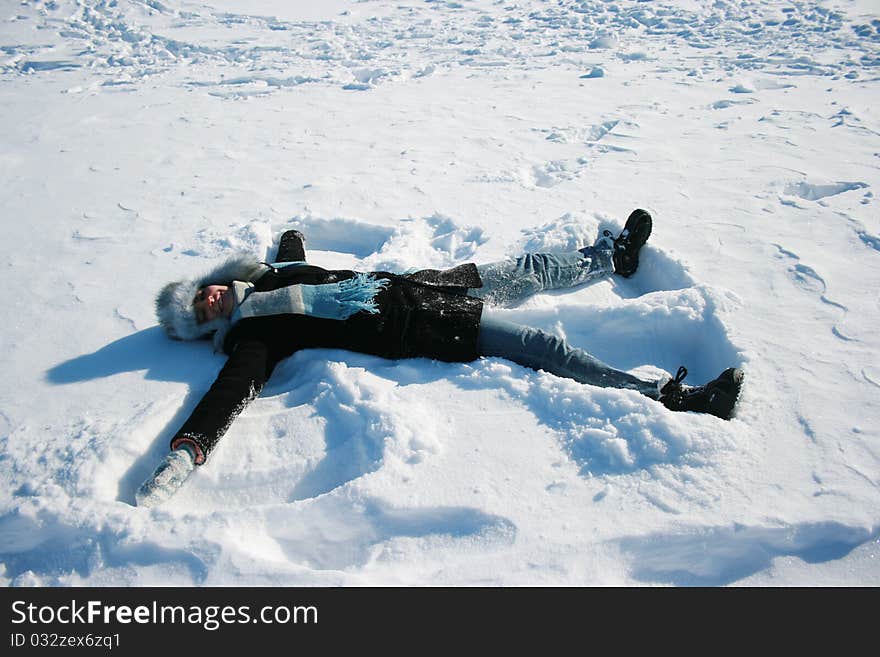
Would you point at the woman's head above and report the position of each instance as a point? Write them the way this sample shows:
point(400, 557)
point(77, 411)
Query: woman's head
point(195, 308)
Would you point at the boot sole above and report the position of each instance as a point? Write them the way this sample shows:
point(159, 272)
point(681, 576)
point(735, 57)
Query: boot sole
point(637, 230)
point(724, 392)
point(639, 224)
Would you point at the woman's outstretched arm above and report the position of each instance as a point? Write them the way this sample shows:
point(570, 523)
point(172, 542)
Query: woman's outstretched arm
point(242, 378)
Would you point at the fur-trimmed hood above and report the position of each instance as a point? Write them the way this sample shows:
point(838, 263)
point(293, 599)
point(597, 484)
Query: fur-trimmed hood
point(174, 303)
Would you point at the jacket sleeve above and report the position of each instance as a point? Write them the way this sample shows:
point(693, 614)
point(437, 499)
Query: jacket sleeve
point(242, 378)
point(463, 276)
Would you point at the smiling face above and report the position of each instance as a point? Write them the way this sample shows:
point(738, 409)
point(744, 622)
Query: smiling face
point(213, 301)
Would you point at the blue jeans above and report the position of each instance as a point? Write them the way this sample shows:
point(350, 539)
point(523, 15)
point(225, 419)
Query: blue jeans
point(513, 280)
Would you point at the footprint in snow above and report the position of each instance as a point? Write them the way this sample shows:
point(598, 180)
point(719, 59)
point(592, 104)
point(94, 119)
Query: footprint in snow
point(722, 555)
point(597, 140)
point(808, 279)
point(814, 192)
point(334, 534)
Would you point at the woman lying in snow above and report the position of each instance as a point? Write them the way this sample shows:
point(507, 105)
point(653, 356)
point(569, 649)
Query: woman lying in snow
point(261, 313)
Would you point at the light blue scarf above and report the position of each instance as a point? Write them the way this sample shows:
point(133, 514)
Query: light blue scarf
point(337, 301)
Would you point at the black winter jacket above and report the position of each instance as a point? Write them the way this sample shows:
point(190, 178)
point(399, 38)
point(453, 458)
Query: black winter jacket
point(426, 313)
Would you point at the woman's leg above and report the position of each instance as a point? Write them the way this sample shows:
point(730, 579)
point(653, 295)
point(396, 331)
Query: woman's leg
point(513, 280)
point(539, 350)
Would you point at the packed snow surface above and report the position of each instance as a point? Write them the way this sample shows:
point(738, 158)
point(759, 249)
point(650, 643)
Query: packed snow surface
point(144, 141)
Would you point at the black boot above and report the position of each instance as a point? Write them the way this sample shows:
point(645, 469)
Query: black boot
point(291, 247)
point(633, 237)
point(717, 397)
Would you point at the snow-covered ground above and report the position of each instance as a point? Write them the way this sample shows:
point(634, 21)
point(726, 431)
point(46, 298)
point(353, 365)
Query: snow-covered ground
point(142, 141)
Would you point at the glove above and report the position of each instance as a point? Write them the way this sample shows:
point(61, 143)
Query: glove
point(174, 469)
